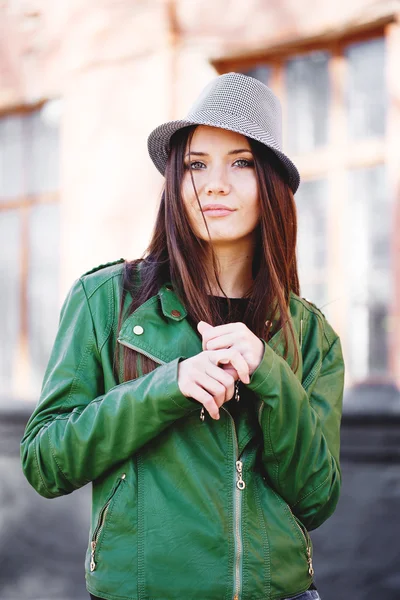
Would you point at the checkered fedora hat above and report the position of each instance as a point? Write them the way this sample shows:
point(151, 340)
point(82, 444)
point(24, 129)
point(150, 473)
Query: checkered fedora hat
point(235, 102)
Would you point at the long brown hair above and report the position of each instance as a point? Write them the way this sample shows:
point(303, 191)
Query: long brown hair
point(274, 267)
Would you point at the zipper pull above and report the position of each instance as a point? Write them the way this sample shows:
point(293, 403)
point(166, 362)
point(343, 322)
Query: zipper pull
point(237, 395)
point(240, 484)
point(92, 563)
point(309, 560)
point(202, 414)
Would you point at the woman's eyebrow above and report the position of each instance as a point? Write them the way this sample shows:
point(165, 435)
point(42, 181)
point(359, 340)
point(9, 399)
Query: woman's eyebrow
point(238, 151)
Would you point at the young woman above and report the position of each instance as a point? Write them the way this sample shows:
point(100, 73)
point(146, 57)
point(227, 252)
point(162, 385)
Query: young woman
point(194, 388)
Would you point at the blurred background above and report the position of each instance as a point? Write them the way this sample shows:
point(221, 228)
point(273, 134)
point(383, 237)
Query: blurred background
point(82, 83)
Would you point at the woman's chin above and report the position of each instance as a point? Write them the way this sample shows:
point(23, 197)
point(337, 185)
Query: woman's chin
point(227, 237)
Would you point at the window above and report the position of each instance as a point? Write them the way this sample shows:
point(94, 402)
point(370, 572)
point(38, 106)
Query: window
point(261, 72)
point(312, 254)
point(334, 104)
point(29, 260)
point(368, 270)
point(307, 85)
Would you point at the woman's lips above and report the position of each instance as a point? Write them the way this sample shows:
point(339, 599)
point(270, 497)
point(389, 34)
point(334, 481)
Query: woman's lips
point(217, 210)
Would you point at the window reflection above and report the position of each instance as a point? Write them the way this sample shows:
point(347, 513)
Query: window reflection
point(261, 72)
point(42, 287)
point(366, 89)
point(29, 153)
point(11, 157)
point(10, 235)
point(307, 91)
point(368, 264)
point(43, 141)
point(311, 201)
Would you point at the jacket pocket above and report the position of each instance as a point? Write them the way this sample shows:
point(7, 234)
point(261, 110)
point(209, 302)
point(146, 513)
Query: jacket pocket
point(307, 540)
point(289, 544)
point(101, 521)
point(302, 530)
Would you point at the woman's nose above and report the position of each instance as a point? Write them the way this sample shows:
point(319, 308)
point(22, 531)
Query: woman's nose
point(217, 184)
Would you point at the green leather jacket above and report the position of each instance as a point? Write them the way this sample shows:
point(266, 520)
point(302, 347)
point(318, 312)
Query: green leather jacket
point(184, 508)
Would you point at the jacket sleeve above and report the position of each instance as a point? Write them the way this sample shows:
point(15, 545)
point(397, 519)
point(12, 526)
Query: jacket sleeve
point(301, 432)
point(77, 431)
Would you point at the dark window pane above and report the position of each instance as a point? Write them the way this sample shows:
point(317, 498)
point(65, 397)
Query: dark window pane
point(307, 91)
point(378, 350)
point(11, 157)
point(43, 166)
point(311, 201)
point(366, 89)
point(369, 281)
point(261, 72)
point(10, 235)
point(43, 287)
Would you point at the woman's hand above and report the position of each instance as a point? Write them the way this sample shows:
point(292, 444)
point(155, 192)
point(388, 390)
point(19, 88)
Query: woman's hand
point(235, 336)
point(200, 377)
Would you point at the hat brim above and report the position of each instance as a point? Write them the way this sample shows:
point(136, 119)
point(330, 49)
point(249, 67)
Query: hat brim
point(158, 142)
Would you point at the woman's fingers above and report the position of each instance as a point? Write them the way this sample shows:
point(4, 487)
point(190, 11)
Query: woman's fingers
point(201, 378)
point(224, 377)
point(198, 393)
point(236, 360)
point(233, 335)
point(213, 387)
point(229, 369)
point(223, 341)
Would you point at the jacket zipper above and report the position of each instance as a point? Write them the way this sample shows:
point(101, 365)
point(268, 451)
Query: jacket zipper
point(100, 524)
point(157, 360)
point(239, 487)
point(307, 542)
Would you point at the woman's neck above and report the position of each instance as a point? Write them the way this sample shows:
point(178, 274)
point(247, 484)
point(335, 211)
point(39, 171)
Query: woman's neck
point(234, 272)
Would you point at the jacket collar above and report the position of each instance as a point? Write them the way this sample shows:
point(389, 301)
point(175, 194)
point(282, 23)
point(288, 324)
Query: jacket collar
point(159, 328)
point(171, 307)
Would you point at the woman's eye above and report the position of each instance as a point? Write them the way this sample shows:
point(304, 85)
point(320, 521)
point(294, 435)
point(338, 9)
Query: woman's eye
point(242, 162)
point(195, 165)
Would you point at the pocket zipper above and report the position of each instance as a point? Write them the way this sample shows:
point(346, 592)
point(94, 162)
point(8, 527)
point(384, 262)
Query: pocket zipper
point(100, 524)
point(303, 531)
point(307, 541)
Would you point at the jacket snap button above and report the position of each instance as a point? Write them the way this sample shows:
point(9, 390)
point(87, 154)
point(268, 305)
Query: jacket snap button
point(175, 313)
point(138, 329)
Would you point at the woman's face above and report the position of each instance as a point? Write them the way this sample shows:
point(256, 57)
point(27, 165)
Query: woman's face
point(223, 172)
